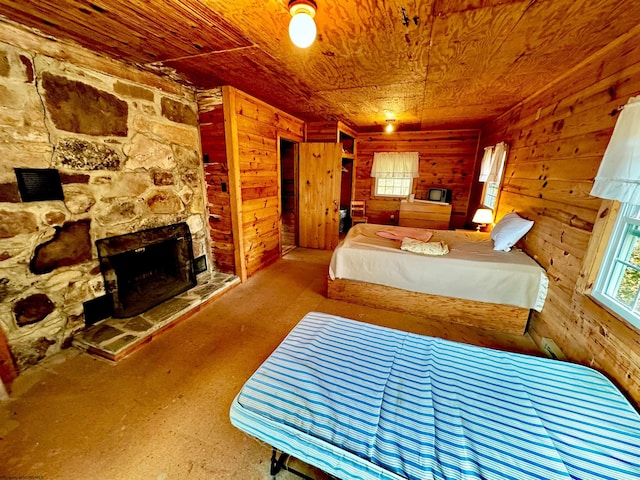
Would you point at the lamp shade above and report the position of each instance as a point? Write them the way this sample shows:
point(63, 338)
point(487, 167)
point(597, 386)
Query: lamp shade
point(483, 215)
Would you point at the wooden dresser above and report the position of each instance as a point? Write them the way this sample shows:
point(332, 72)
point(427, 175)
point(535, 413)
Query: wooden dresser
point(423, 214)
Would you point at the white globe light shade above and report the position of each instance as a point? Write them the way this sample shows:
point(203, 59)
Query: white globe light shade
point(302, 30)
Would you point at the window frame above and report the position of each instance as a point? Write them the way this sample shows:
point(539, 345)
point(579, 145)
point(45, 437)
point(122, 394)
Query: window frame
point(485, 194)
point(611, 268)
point(375, 187)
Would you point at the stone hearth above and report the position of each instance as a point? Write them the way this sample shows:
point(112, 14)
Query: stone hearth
point(115, 338)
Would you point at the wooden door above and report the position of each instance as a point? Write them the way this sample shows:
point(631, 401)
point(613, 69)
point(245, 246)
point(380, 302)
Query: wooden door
point(320, 170)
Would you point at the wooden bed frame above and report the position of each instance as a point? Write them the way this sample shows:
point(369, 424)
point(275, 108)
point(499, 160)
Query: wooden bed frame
point(491, 316)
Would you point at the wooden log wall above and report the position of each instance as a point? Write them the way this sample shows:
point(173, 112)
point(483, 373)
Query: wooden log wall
point(211, 119)
point(447, 159)
point(557, 138)
point(323, 132)
point(252, 132)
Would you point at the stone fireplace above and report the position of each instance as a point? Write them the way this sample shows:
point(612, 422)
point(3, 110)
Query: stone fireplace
point(143, 269)
point(126, 148)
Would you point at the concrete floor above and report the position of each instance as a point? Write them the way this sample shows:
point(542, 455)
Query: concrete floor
point(162, 413)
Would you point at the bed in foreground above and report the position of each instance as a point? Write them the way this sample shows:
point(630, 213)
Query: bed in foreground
point(472, 284)
point(361, 401)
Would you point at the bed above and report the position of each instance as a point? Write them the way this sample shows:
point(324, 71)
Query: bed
point(360, 401)
point(472, 284)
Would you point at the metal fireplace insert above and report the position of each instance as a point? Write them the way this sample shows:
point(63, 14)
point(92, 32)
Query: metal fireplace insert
point(145, 268)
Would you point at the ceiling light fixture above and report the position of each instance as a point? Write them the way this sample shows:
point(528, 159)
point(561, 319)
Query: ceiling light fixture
point(389, 127)
point(302, 28)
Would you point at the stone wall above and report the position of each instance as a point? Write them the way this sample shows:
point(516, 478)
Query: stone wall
point(128, 155)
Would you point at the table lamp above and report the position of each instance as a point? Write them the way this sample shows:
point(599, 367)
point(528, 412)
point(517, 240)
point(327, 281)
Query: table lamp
point(482, 217)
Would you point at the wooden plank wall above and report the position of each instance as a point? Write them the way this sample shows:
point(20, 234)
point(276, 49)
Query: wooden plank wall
point(253, 129)
point(211, 119)
point(557, 138)
point(447, 159)
point(322, 132)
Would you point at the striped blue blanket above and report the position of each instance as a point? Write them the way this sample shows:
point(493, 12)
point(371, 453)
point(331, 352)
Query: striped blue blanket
point(366, 402)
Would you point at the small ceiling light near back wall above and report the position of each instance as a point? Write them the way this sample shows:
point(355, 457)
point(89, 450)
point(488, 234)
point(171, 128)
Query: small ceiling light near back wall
point(389, 127)
point(302, 28)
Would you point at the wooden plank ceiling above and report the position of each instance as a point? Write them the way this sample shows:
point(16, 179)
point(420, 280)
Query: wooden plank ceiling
point(429, 63)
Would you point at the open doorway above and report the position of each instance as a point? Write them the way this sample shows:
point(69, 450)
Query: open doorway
point(288, 189)
point(345, 196)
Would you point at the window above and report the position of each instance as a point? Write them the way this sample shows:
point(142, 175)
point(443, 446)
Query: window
point(617, 282)
point(394, 173)
point(491, 194)
point(617, 285)
point(393, 187)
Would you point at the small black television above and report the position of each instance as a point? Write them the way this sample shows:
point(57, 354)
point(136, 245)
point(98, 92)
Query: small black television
point(440, 195)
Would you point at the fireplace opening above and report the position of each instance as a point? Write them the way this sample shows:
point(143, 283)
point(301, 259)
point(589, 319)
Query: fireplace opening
point(145, 268)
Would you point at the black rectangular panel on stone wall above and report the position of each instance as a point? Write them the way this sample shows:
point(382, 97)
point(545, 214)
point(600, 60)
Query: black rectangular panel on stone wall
point(200, 264)
point(39, 184)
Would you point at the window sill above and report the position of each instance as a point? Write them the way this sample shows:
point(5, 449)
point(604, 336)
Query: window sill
point(621, 318)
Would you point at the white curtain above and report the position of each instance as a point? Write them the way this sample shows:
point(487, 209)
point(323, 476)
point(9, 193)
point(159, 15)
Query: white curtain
point(497, 162)
point(395, 165)
point(619, 175)
point(485, 166)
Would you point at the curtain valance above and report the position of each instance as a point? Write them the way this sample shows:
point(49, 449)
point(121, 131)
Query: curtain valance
point(395, 165)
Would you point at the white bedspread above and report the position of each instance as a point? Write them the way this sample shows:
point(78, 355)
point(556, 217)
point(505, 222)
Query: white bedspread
point(471, 270)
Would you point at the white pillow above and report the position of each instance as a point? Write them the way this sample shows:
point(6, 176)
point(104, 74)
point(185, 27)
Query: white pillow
point(509, 230)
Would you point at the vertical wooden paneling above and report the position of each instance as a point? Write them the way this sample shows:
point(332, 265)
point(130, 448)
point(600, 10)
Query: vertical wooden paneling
point(557, 138)
point(211, 120)
point(320, 175)
point(332, 132)
point(233, 166)
point(447, 159)
point(253, 129)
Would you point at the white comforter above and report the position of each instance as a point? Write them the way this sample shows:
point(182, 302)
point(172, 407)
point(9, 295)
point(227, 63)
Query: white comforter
point(471, 270)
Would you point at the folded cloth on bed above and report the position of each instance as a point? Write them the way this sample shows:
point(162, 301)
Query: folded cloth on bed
point(424, 248)
point(400, 233)
point(361, 401)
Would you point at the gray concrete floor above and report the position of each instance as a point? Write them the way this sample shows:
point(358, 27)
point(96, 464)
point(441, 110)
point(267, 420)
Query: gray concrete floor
point(162, 413)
